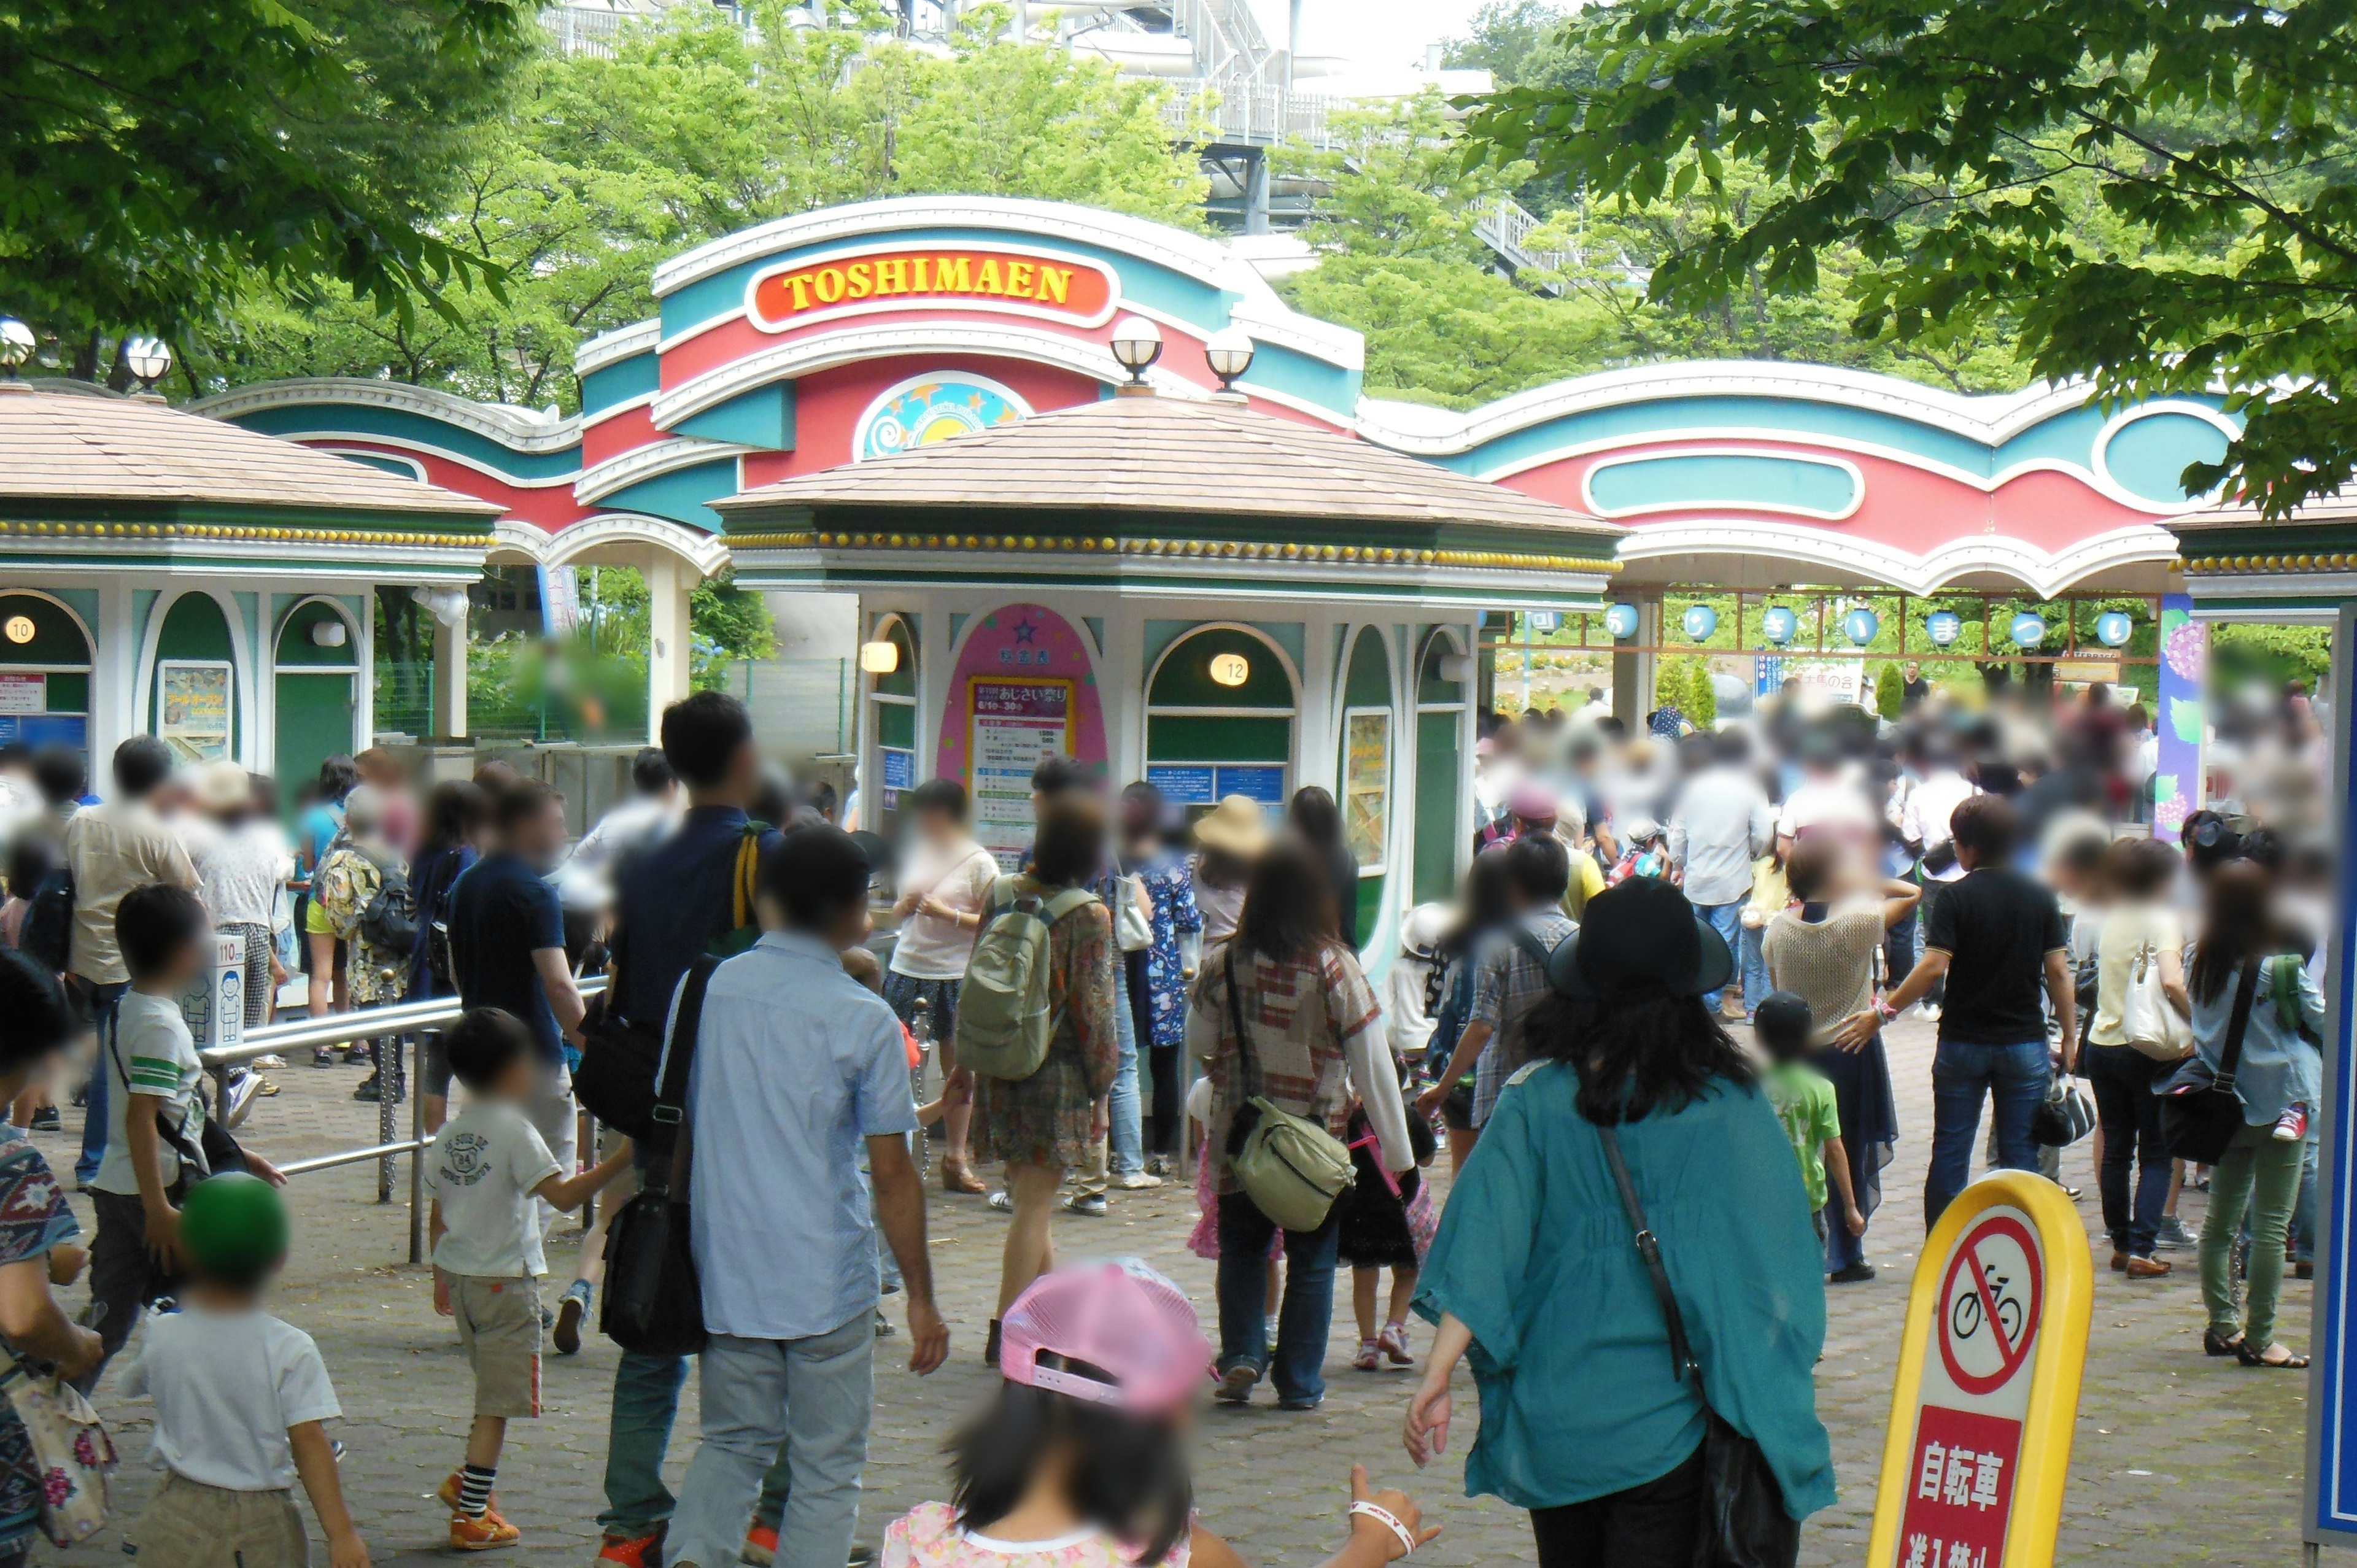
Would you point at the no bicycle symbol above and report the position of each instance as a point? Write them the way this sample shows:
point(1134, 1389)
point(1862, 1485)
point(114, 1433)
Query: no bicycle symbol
point(1989, 1305)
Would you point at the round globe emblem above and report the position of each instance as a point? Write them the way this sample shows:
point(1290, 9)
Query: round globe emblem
point(1778, 624)
point(1699, 621)
point(1945, 627)
point(2114, 628)
point(1621, 620)
point(2027, 631)
point(1860, 626)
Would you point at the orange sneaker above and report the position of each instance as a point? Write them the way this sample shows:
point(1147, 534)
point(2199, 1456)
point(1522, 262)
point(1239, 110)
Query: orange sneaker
point(482, 1534)
point(631, 1551)
point(761, 1545)
point(447, 1494)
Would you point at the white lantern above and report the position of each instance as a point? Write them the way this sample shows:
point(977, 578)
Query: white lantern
point(1135, 343)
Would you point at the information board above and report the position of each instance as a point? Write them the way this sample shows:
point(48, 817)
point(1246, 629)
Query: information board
point(899, 773)
point(23, 693)
point(1015, 725)
point(1367, 784)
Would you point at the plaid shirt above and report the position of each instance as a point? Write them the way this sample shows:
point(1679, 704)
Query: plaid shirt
point(1303, 1014)
point(1507, 984)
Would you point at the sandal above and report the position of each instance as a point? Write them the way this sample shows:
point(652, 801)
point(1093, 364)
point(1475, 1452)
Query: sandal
point(1369, 1357)
point(2292, 1363)
point(2212, 1345)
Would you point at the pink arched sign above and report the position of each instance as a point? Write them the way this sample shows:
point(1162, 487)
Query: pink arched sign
point(1023, 689)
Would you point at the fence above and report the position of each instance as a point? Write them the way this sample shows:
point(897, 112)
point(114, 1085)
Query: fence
point(402, 1027)
point(801, 707)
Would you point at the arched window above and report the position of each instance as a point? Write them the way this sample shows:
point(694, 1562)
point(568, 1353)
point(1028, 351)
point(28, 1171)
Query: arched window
point(44, 659)
point(315, 680)
point(892, 706)
point(1440, 768)
point(1220, 705)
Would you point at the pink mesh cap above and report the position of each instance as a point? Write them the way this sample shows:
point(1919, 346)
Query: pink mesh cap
point(1119, 1319)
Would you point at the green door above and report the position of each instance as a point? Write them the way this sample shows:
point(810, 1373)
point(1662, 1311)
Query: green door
point(316, 716)
point(1436, 782)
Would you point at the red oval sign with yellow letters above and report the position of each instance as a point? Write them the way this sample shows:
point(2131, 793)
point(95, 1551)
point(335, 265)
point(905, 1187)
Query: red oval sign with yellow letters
point(992, 278)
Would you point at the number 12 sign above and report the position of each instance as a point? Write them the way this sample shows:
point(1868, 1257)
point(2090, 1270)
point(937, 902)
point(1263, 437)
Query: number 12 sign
point(1988, 1382)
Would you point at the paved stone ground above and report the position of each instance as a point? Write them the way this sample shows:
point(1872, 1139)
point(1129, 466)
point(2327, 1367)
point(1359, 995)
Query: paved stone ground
point(2179, 1458)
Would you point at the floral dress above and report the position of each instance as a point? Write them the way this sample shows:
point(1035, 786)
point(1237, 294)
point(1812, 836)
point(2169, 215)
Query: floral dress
point(1043, 1120)
point(33, 1219)
point(928, 1536)
point(1172, 888)
point(346, 883)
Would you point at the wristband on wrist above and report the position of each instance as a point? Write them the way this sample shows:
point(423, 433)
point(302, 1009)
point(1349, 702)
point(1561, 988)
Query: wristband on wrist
point(1389, 1520)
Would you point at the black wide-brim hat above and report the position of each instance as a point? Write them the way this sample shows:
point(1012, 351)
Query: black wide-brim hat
point(1641, 937)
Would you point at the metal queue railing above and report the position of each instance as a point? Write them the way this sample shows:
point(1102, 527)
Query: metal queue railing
point(397, 1034)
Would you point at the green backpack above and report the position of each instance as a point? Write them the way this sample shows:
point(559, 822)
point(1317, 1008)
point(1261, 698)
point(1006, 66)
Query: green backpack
point(1003, 1020)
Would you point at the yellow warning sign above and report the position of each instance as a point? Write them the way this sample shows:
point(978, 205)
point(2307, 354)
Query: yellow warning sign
point(1988, 1382)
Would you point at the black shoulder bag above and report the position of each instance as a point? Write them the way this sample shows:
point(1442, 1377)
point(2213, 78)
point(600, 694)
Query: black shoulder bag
point(654, 1303)
point(211, 1152)
point(1744, 1522)
point(2200, 1111)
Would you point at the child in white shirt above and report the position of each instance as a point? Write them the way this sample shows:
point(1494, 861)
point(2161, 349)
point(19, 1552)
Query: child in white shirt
point(485, 1166)
point(241, 1398)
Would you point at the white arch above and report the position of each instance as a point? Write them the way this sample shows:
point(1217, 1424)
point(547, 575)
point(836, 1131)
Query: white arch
point(352, 629)
point(2043, 573)
point(245, 720)
point(89, 641)
point(707, 553)
point(1283, 661)
point(1415, 672)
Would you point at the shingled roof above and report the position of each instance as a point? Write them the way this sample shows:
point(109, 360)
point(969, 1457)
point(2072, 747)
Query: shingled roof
point(62, 448)
point(1167, 455)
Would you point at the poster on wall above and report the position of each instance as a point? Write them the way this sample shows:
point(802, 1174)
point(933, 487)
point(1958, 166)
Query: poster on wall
point(22, 693)
point(1016, 648)
point(193, 705)
point(899, 773)
point(1367, 784)
point(1196, 787)
point(1015, 725)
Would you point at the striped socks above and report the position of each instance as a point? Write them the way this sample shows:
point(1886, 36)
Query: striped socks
point(475, 1489)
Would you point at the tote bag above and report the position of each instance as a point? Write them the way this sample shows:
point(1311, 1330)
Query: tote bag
point(2154, 1027)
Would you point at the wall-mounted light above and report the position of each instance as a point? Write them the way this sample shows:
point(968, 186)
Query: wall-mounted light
point(447, 606)
point(1458, 667)
point(329, 633)
point(1230, 668)
point(881, 657)
point(1135, 343)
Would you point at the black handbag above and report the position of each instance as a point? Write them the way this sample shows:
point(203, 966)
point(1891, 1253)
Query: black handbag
point(2200, 1111)
point(2063, 1118)
point(653, 1303)
point(614, 1081)
point(1744, 1523)
point(212, 1152)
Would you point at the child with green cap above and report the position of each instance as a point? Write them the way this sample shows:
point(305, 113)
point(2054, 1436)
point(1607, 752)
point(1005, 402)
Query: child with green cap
point(240, 1397)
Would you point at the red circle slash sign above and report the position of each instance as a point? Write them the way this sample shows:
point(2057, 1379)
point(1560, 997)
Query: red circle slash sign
point(2011, 1351)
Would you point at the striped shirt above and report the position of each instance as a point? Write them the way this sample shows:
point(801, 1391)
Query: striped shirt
point(1507, 982)
point(151, 1043)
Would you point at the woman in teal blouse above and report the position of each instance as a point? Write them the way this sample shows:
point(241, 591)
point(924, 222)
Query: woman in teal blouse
point(1535, 1277)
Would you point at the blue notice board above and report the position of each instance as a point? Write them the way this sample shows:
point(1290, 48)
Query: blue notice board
point(1206, 784)
point(46, 729)
point(1185, 784)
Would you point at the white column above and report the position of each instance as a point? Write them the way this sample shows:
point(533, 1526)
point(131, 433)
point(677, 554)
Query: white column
point(669, 584)
point(1121, 689)
point(115, 676)
point(449, 717)
point(1316, 760)
point(932, 645)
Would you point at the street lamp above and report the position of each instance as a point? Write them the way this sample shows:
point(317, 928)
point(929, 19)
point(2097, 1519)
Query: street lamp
point(16, 345)
point(1229, 352)
point(147, 358)
point(1137, 343)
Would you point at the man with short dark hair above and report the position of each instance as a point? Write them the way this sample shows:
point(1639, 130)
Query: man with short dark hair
point(110, 849)
point(797, 1067)
point(506, 949)
point(682, 898)
point(632, 828)
point(1995, 935)
point(1510, 975)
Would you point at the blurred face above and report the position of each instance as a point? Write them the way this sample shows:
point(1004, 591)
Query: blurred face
point(539, 839)
point(937, 827)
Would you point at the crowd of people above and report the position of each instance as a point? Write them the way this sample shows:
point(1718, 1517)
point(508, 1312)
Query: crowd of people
point(1656, 1004)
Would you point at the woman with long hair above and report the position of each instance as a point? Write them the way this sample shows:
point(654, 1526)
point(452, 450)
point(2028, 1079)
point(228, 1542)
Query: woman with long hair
point(1159, 973)
point(1485, 906)
point(1823, 951)
point(1317, 823)
point(1041, 1126)
point(2278, 1079)
point(1284, 1013)
point(1584, 1421)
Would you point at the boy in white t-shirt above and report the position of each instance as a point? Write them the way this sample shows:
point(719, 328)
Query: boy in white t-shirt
point(485, 1166)
point(240, 1400)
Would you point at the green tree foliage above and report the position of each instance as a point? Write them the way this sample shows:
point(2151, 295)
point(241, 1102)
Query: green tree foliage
point(168, 160)
point(1683, 681)
point(698, 127)
point(2158, 194)
point(1889, 691)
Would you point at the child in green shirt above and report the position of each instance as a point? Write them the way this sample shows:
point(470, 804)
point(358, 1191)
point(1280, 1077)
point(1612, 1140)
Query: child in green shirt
point(1804, 1099)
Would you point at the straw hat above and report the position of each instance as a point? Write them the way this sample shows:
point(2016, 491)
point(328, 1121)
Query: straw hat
point(224, 786)
point(1235, 826)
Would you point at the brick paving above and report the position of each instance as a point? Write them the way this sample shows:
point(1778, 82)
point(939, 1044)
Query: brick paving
point(2179, 1458)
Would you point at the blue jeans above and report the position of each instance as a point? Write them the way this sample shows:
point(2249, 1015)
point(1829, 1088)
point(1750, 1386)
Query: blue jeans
point(1308, 1313)
point(100, 1000)
point(806, 1401)
point(1727, 920)
point(1128, 1130)
point(646, 1403)
point(2014, 1078)
point(1754, 956)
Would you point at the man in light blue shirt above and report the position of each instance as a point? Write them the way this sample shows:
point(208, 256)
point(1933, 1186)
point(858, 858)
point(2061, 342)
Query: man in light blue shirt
point(796, 1065)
